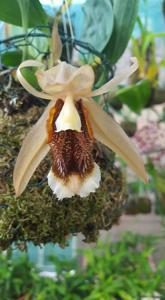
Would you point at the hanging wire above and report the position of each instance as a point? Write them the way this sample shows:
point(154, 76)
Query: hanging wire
point(83, 49)
point(69, 19)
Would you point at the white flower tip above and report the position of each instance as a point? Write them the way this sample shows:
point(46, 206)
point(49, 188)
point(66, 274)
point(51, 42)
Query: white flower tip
point(134, 60)
point(91, 183)
point(135, 64)
point(58, 187)
point(17, 192)
point(75, 185)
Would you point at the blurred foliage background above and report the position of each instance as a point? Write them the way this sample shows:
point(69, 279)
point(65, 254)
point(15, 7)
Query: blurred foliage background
point(121, 270)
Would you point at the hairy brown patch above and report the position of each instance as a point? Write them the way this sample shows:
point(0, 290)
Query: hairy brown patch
point(71, 150)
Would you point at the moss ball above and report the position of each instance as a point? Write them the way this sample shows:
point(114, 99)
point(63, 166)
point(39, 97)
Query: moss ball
point(37, 216)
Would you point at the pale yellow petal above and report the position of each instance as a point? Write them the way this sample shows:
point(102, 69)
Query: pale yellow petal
point(82, 81)
point(56, 44)
point(33, 150)
point(25, 84)
point(111, 85)
point(53, 79)
point(65, 78)
point(108, 132)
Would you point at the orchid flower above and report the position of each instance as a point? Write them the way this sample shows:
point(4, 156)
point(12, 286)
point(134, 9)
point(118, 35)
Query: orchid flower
point(68, 128)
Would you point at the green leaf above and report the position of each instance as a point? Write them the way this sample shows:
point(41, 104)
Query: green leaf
point(11, 58)
point(124, 295)
point(160, 184)
point(24, 6)
point(29, 74)
point(162, 63)
point(98, 23)
point(14, 58)
point(135, 96)
point(125, 13)
point(10, 13)
point(150, 38)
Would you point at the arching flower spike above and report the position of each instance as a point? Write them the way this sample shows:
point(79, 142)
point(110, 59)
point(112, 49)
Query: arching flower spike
point(68, 128)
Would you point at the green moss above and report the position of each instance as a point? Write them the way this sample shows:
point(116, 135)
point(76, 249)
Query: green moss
point(37, 216)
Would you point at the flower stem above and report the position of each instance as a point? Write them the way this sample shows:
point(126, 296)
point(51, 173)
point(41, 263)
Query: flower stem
point(24, 8)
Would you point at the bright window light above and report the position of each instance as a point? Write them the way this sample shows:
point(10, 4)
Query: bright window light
point(59, 2)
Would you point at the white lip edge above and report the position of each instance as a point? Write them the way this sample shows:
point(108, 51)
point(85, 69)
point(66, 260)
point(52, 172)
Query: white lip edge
point(90, 184)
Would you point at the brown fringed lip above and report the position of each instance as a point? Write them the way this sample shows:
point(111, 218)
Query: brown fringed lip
point(72, 160)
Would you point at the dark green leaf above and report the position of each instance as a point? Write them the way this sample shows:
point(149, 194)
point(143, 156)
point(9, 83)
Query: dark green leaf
point(11, 58)
point(29, 74)
point(10, 13)
point(98, 23)
point(125, 12)
point(135, 96)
